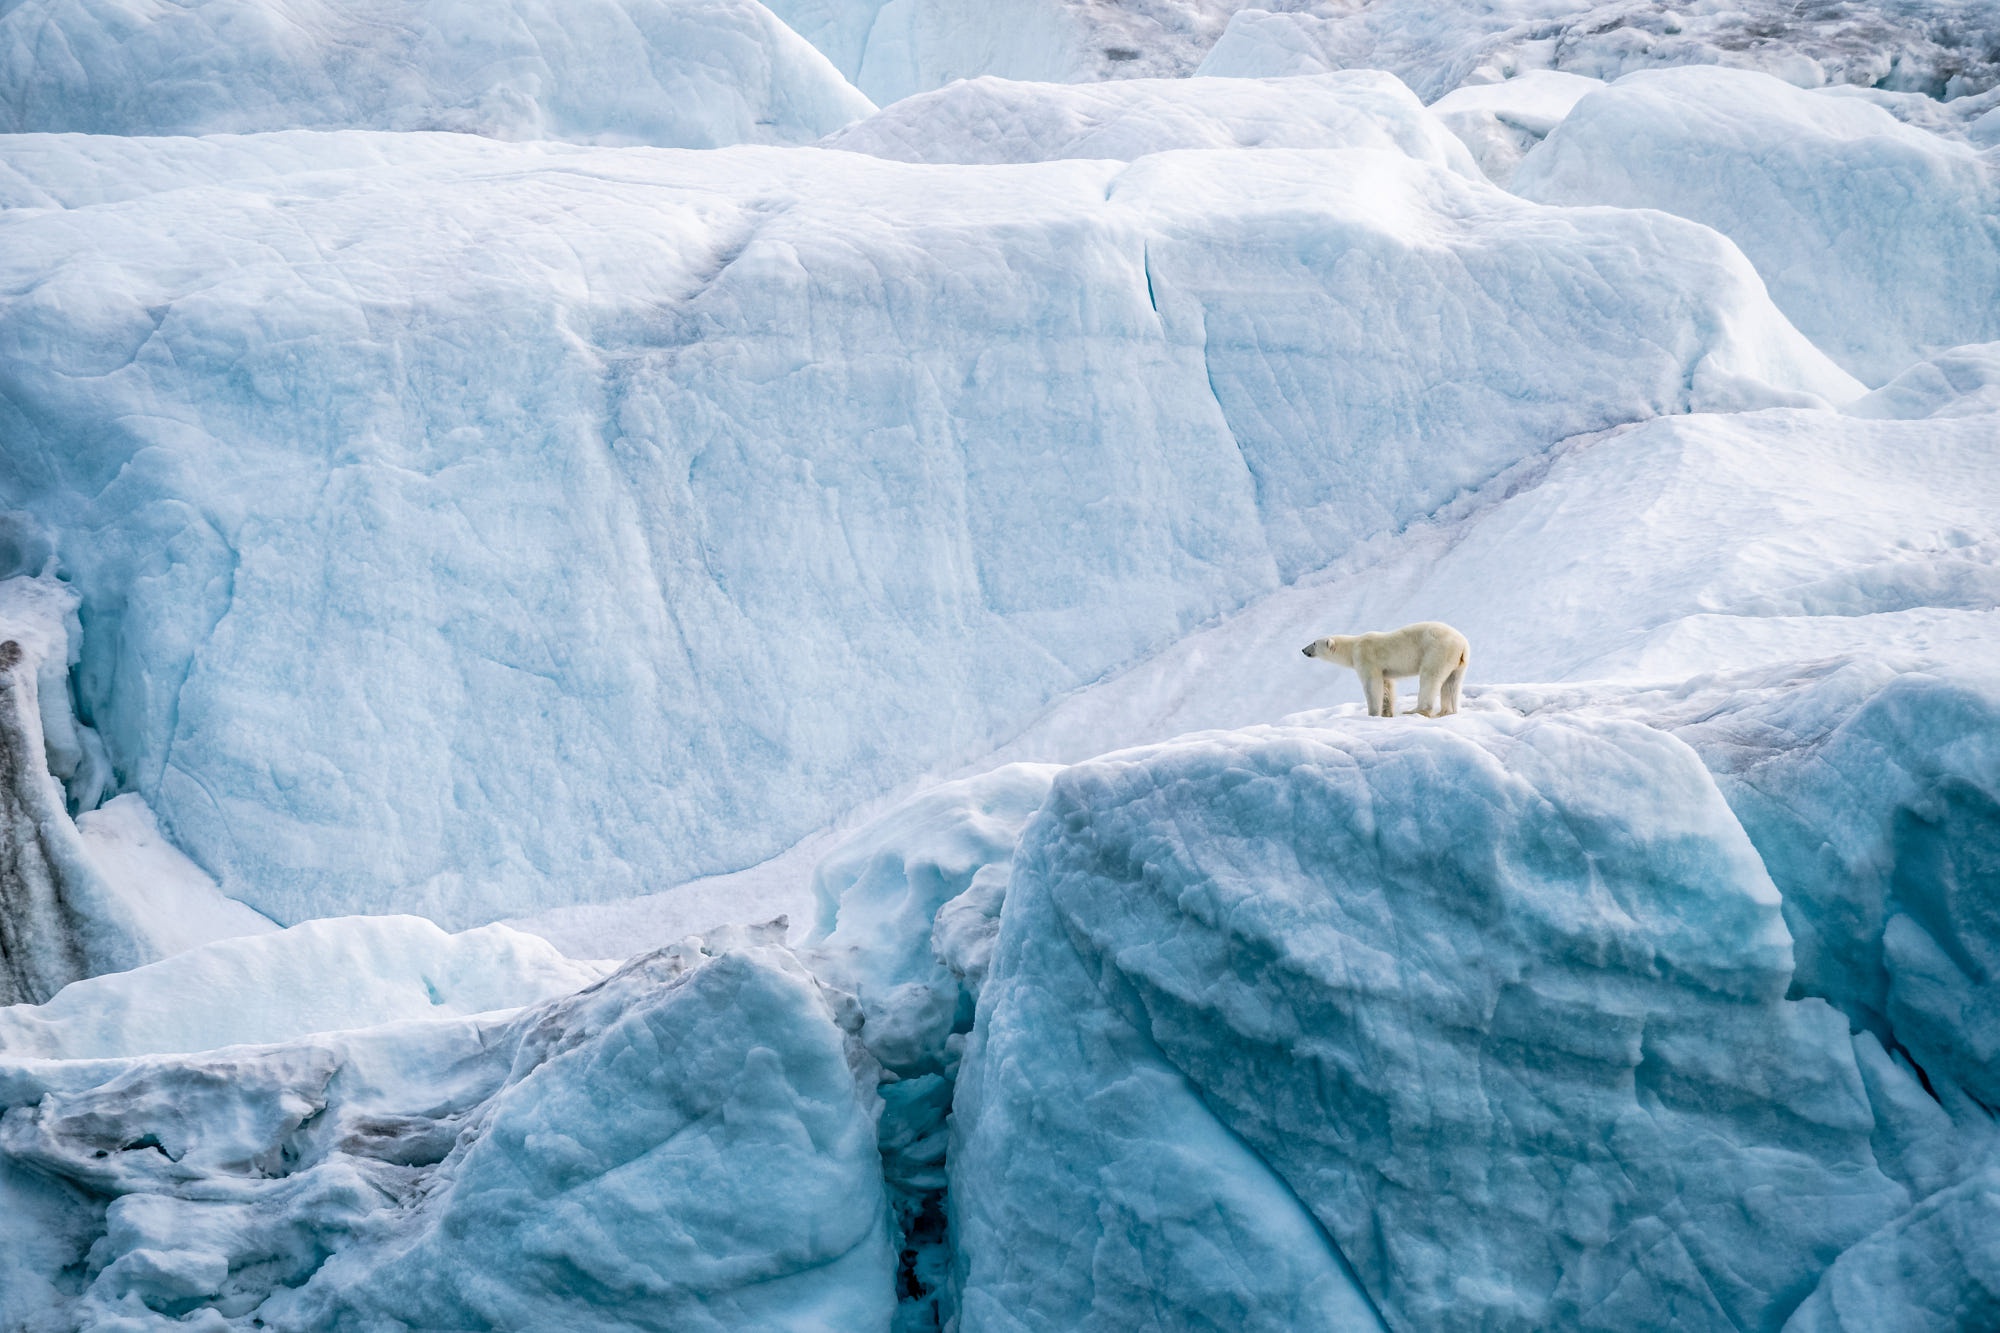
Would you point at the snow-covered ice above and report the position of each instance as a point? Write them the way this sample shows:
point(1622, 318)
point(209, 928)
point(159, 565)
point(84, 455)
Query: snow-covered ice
point(1876, 237)
point(685, 73)
point(551, 524)
point(991, 120)
point(319, 976)
point(1500, 122)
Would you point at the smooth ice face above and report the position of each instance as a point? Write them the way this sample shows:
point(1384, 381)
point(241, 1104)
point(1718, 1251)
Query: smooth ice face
point(1944, 48)
point(1875, 237)
point(996, 120)
point(321, 976)
point(1501, 1002)
point(690, 1145)
point(686, 73)
point(497, 527)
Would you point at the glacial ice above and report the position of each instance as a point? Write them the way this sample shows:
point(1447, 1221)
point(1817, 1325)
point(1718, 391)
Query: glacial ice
point(684, 73)
point(992, 121)
point(1874, 236)
point(688, 1145)
point(1500, 1001)
point(1942, 48)
point(644, 510)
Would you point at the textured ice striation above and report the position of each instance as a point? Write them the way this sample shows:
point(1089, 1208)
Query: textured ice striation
point(991, 120)
point(688, 73)
point(104, 891)
point(495, 527)
point(1491, 1012)
point(689, 1145)
point(1876, 237)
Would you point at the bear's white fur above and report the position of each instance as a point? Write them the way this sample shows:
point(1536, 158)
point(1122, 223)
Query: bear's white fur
point(1432, 651)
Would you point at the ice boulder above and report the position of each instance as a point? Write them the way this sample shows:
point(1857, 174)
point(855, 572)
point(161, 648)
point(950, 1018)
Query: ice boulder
point(1499, 1004)
point(691, 73)
point(688, 1146)
point(1877, 238)
point(996, 120)
point(500, 526)
point(320, 976)
point(1943, 48)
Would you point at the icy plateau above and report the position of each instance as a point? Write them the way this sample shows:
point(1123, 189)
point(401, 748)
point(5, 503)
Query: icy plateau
point(650, 677)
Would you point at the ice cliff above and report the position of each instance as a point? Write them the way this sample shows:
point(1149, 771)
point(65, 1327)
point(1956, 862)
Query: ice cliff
point(645, 510)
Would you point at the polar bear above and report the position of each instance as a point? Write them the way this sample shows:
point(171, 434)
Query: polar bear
point(1432, 651)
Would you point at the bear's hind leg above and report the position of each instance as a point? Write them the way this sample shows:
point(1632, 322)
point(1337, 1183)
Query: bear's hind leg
point(1388, 696)
point(1452, 686)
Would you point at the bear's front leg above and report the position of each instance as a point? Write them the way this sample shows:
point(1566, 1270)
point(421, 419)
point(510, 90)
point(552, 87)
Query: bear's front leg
point(1372, 685)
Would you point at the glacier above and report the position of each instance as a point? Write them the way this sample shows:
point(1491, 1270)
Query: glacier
point(646, 509)
point(649, 665)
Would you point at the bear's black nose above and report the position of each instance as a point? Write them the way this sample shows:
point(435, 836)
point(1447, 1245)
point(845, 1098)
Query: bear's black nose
point(1307, 650)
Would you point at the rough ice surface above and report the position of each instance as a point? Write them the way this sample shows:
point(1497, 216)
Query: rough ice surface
point(893, 48)
point(1500, 1002)
point(689, 1145)
point(686, 73)
point(992, 120)
point(1942, 48)
point(644, 510)
point(320, 976)
point(1876, 237)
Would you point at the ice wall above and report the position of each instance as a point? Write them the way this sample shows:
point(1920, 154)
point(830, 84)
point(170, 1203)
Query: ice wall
point(689, 73)
point(1500, 1004)
point(498, 527)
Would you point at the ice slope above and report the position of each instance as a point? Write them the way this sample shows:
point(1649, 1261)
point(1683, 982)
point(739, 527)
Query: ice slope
point(1668, 551)
point(687, 73)
point(990, 120)
point(689, 1146)
point(502, 527)
point(1501, 1002)
point(1943, 48)
point(321, 976)
point(1880, 240)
